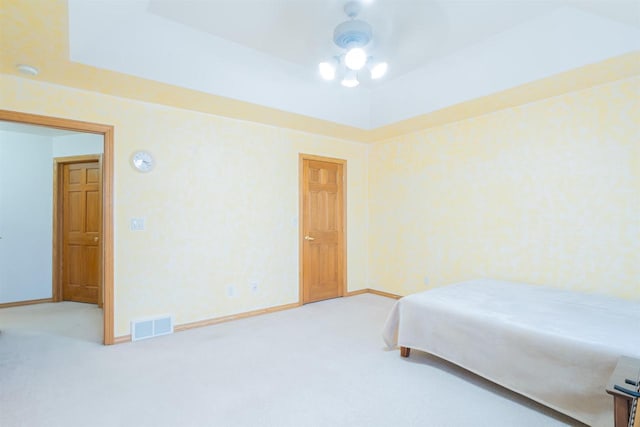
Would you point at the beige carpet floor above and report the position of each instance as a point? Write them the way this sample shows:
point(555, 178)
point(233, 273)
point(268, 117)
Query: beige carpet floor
point(319, 365)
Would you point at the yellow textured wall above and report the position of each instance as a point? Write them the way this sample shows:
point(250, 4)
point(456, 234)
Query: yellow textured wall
point(548, 193)
point(545, 193)
point(221, 205)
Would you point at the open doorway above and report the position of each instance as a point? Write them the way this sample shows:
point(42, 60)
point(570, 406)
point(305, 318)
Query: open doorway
point(29, 142)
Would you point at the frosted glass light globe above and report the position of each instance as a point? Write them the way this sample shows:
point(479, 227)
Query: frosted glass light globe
point(350, 79)
point(355, 58)
point(327, 70)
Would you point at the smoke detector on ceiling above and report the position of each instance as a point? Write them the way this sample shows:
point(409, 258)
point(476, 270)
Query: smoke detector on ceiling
point(27, 69)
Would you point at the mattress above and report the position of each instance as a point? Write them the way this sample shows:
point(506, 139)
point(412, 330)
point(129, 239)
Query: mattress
point(554, 346)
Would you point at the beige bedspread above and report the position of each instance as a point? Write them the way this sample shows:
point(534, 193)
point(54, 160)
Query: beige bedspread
point(556, 347)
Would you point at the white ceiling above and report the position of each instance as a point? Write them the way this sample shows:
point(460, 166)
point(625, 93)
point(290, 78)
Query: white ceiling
point(441, 52)
point(409, 33)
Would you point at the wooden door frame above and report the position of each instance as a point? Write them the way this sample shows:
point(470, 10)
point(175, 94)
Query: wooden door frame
point(58, 223)
point(107, 132)
point(301, 158)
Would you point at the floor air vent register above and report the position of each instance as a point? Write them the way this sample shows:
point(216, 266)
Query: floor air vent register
point(151, 327)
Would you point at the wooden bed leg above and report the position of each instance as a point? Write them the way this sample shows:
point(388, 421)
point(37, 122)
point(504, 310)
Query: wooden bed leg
point(404, 351)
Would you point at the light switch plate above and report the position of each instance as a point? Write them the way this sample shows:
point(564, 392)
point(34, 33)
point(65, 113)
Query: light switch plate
point(137, 224)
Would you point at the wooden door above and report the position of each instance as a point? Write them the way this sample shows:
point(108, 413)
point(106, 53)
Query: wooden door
point(81, 225)
point(322, 229)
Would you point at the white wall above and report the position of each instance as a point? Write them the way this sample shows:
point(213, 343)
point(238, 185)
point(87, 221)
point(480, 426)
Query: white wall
point(25, 216)
point(26, 207)
point(77, 144)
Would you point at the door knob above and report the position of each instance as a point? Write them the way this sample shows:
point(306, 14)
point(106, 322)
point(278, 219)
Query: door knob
point(309, 238)
point(95, 239)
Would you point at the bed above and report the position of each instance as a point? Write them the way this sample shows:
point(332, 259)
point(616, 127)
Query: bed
point(554, 346)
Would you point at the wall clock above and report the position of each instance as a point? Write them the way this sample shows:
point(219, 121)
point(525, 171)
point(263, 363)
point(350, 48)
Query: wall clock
point(142, 161)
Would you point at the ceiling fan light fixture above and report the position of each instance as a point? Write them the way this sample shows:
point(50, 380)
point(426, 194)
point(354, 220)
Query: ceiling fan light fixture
point(378, 69)
point(352, 37)
point(355, 58)
point(350, 79)
point(354, 33)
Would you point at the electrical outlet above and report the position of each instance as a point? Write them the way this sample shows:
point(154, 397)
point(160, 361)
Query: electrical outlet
point(231, 291)
point(253, 285)
point(426, 281)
